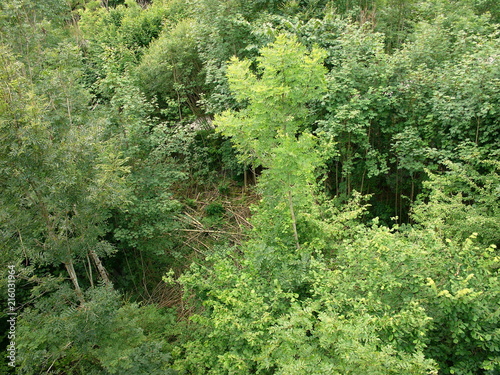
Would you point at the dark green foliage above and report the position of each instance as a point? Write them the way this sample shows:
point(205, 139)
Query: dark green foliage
point(59, 179)
point(214, 209)
point(103, 337)
point(394, 115)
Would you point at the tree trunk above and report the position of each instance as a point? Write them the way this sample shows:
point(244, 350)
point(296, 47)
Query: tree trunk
point(396, 195)
point(337, 178)
point(72, 275)
point(362, 181)
point(100, 268)
point(245, 177)
point(294, 221)
point(53, 237)
point(91, 276)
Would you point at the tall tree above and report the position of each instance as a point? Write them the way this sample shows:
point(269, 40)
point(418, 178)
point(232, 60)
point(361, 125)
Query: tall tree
point(59, 179)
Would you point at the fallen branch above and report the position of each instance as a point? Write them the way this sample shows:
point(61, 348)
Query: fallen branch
point(211, 231)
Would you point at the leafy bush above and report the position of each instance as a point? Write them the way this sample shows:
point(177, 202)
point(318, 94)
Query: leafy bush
point(103, 336)
point(214, 209)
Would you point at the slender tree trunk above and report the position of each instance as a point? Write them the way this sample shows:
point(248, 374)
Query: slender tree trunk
point(245, 178)
point(53, 237)
point(100, 267)
point(412, 188)
point(400, 208)
point(396, 194)
point(89, 271)
point(68, 106)
point(362, 181)
point(366, 158)
point(410, 220)
point(348, 179)
point(294, 221)
point(174, 72)
point(72, 275)
point(337, 178)
point(348, 173)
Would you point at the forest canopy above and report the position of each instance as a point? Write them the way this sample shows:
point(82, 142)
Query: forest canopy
point(250, 187)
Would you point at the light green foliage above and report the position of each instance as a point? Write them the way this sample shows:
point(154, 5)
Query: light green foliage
point(272, 310)
point(118, 34)
point(271, 130)
point(394, 270)
point(464, 199)
point(288, 78)
point(369, 307)
point(306, 341)
point(172, 70)
point(465, 336)
point(380, 306)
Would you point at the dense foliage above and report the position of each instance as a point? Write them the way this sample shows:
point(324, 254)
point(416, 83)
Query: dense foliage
point(251, 187)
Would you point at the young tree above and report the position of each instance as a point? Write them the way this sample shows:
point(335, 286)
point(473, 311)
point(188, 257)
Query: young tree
point(271, 129)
